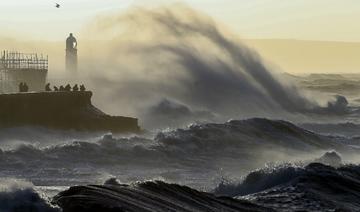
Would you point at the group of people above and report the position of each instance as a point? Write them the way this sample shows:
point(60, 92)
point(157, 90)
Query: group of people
point(23, 87)
point(65, 88)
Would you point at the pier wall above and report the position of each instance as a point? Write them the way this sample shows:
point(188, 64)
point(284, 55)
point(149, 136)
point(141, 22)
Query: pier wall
point(62, 110)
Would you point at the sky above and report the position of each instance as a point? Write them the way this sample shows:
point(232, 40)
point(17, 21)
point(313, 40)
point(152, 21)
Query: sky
point(322, 20)
point(274, 28)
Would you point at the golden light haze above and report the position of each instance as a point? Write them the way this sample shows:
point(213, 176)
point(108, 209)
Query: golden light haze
point(298, 36)
point(303, 57)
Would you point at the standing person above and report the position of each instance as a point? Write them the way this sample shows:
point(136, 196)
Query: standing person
point(26, 87)
point(47, 87)
point(82, 88)
point(75, 88)
point(68, 87)
point(21, 87)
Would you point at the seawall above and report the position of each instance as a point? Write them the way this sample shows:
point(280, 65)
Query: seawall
point(60, 110)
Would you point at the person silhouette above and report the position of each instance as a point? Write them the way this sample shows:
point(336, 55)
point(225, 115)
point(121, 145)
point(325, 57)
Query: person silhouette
point(68, 87)
point(26, 87)
point(21, 87)
point(56, 88)
point(62, 88)
point(47, 87)
point(82, 88)
point(75, 88)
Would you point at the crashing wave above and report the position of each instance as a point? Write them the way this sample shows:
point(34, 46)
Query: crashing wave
point(244, 133)
point(260, 180)
point(251, 142)
point(265, 178)
point(331, 158)
point(147, 196)
point(314, 187)
point(16, 195)
point(188, 58)
point(318, 188)
point(206, 139)
point(346, 129)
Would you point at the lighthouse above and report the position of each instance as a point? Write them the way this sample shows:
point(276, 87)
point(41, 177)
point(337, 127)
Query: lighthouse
point(71, 54)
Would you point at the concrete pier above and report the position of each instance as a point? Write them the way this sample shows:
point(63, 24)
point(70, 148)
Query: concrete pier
point(60, 110)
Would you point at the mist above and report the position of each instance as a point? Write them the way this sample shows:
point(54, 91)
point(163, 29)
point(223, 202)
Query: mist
point(182, 55)
point(171, 66)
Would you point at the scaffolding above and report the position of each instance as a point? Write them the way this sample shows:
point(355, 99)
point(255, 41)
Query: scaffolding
point(12, 60)
point(18, 67)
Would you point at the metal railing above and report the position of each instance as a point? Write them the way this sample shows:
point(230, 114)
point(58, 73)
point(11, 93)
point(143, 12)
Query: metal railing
point(12, 60)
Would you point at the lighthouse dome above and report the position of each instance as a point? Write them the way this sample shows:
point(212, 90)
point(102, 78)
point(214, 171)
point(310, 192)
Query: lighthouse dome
point(71, 42)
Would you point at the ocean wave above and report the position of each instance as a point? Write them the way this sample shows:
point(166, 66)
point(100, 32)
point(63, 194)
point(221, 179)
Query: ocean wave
point(231, 132)
point(346, 129)
point(195, 57)
point(230, 148)
point(312, 187)
point(203, 139)
point(260, 180)
point(42, 136)
point(247, 133)
point(319, 188)
point(147, 196)
point(17, 195)
point(273, 175)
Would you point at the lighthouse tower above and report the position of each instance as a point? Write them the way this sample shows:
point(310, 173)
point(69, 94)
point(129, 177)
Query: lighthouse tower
point(71, 54)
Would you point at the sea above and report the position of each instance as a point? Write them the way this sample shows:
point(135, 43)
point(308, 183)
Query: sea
point(221, 130)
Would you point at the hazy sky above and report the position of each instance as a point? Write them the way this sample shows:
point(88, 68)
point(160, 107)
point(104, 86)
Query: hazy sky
point(292, 19)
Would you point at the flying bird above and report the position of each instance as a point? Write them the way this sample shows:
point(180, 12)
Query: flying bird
point(57, 5)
